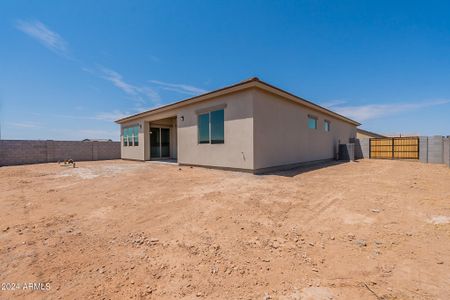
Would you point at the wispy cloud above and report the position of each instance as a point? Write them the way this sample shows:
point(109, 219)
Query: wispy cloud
point(141, 94)
point(373, 111)
point(179, 88)
point(118, 81)
point(111, 116)
point(28, 125)
point(44, 35)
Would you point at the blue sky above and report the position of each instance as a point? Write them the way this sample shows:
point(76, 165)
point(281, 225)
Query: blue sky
point(69, 68)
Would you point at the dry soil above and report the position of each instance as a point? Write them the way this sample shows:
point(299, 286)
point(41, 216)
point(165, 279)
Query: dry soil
point(116, 229)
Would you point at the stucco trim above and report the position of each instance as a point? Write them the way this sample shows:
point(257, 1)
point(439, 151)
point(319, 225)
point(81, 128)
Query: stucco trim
point(133, 159)
point(217, 168)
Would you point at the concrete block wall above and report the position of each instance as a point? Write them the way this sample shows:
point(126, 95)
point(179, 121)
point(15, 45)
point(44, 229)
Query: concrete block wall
point(362, 148)
point(447, 151)
point(18, 152)
point(104, 150)
point(15, 152)
point(423, 149)
point(436, 150)
point(432, 149)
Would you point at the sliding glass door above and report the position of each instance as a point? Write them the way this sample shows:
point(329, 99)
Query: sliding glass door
point(165, 142)
point(155, 143)
point(159, 142)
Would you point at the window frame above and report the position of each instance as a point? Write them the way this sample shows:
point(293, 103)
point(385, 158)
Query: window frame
point(215, 141)
point(125, 136)
point(129, 136)
point(325, 123)
point(209, 128)
point(316, 121)
point(136, 135)
point(208, 113)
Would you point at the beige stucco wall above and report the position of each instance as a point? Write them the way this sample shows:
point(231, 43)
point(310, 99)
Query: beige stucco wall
point(363, 135)
point(134, 152)
point(142, 152)
point(360, 135)
point(237, 151)
point(282, 136)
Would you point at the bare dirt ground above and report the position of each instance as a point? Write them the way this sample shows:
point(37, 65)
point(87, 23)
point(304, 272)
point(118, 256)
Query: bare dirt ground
point(116, 229)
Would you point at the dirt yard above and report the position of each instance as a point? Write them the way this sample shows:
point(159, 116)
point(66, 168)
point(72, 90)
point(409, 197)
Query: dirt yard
point(372, 229)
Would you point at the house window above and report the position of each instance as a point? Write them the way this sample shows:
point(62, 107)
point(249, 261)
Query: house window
point(125, 137)
point(211, 127)
point(136, 135)
point(327, 125)
point(217, 126)
point(203, 128)
point(312, 122)
point(131, 136)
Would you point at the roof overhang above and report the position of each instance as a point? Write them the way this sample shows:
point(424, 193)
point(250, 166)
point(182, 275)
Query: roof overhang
point(250, 83)
point(373, 134)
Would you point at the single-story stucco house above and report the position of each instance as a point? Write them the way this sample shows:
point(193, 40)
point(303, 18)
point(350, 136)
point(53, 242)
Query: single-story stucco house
point(250, 126)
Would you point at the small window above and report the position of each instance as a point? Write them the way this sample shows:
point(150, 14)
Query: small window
point(125, 137)
point(131, 136)
point(217, 127)
point(203, 128)
point(327, 125)
point(211, 127)
point(136, 136)
point(312, 122)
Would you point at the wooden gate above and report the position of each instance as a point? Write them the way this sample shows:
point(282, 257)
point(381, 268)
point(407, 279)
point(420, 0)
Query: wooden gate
point(395, 148)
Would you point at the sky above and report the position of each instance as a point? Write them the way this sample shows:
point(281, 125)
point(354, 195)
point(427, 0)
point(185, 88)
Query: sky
point(68, 69)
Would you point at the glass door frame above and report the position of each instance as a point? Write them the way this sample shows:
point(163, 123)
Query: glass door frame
point(159, 127)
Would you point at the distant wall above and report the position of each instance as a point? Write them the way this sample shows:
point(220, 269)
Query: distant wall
point(18, 152)
point(447, 151)
point(434, 149)
point(423, 149)
point(362, 148)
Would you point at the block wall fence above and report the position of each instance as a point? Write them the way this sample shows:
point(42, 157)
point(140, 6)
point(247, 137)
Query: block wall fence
point(18, 152)
point(432, 149)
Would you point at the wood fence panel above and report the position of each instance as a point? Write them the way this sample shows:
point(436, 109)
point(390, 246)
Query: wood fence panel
point(395, 148)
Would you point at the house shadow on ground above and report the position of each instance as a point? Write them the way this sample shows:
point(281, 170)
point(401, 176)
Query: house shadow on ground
point(304, 169)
